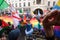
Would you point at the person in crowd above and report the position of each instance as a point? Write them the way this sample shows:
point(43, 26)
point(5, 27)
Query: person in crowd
point(9, 28)
point(57, 26)
point(29, 29)
point(22, 28)
point(4, 37)
point(14, 34)
point(50, 20)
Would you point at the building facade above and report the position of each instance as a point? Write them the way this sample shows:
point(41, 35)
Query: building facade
point(32, 5)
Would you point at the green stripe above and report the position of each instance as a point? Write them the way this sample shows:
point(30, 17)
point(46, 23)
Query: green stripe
point(1, 2)
point(3, 5)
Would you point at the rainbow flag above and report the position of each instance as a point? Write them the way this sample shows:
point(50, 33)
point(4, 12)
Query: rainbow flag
point(34, 21)
point(36, 24)
point(57, 6)
point(7, 18)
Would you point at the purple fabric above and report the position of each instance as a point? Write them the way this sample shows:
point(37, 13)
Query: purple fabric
point(57, 31)
point(57, 28)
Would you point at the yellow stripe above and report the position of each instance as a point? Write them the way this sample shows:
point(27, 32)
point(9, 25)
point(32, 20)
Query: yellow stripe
point(58, 3)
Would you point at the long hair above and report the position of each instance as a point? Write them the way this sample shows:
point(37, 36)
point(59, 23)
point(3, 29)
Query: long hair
point(0, 22)
point(48, 25)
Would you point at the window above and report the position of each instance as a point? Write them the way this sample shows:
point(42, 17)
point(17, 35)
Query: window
point(48, 3)
point(20, 10)
point(16, 4)
point(34, 2)
point(19, 4)
point(26, 9)
point(28, 3)
point(53, 3)
point(24, 4)
point(29, 10)
point(19, 0)
point(38, 1)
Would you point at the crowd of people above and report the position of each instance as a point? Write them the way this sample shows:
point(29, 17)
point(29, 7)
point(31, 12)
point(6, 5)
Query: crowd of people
point(24, 28)
point(50, 27)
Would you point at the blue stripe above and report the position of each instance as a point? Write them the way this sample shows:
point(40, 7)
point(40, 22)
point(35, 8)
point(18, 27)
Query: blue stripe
point(56, 7)
point(57, 33)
